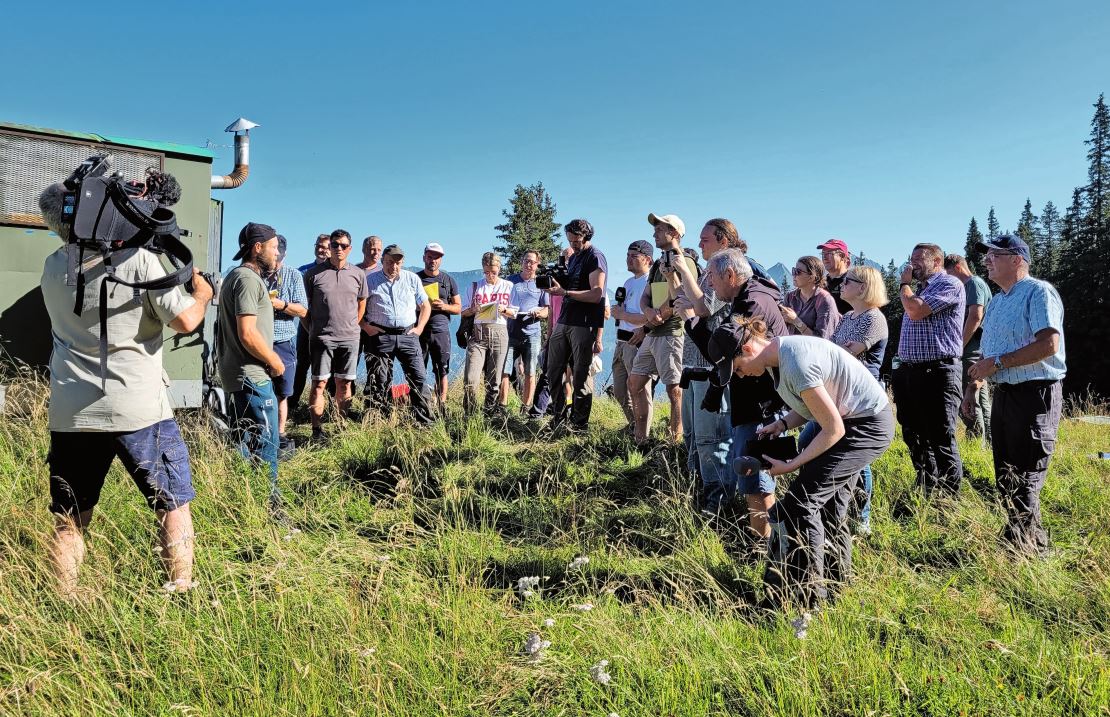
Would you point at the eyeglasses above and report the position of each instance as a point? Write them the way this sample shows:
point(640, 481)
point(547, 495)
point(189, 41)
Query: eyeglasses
point(340, 245)
point(798, 272)
point(992, 254)
point(850, 280)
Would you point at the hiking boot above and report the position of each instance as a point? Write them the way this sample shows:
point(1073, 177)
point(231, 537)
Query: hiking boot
point(318, 435)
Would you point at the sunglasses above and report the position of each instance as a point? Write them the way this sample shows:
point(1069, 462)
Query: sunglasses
point(340, 245)
point(850, 280)
point(798, 272)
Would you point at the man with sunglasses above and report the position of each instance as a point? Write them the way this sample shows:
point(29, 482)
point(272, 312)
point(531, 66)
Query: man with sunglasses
point(336, 303)
point(1023, 356)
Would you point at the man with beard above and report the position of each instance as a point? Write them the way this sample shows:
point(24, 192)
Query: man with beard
point(246, 355)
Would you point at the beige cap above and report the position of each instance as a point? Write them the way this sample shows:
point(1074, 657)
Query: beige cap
point(671, 220)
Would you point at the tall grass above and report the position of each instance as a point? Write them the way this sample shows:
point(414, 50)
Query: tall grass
point(399, 597)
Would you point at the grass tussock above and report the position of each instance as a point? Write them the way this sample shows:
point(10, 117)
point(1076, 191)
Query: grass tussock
point(401, 594)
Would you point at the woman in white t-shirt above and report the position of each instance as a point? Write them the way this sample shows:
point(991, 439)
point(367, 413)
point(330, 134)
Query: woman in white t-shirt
point(488, 302)
point(820, 382)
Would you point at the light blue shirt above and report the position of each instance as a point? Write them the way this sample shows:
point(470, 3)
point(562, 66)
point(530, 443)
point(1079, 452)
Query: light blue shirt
point(393, 304)
point(525, 296)
point(290, 287)
point(1012, 321)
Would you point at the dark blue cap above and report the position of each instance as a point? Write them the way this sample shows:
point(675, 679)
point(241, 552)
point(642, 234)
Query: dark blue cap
point(1007, 243)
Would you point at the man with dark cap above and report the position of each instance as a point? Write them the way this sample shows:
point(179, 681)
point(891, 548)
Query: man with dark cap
point(630, 323)
point(397, 309)
point(245, 352)
point(290, 304)
point(336, 293)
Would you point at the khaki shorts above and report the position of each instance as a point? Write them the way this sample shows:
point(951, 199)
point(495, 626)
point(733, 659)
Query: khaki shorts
point(661, 357)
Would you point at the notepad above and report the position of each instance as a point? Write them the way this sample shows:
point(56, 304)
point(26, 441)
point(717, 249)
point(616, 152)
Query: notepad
point(660, 294)
point(432, 290)
point(488, 312)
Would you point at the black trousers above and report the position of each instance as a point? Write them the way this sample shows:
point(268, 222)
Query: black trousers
point(304, 362)
point(383, 349)
point(814, 513)
point(928, 398)
point(571, 346)
point(1024, 420)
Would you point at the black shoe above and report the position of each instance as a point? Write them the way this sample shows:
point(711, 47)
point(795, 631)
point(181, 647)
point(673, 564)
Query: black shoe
point(286, 448)
point(318, 435)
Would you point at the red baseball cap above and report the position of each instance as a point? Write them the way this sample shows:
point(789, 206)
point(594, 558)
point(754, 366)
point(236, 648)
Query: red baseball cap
point(832, 244)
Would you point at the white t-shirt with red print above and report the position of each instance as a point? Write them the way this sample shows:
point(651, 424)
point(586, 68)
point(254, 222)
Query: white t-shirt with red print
point(487, 293)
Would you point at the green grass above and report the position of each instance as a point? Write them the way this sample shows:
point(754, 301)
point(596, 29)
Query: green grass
point(398, 598)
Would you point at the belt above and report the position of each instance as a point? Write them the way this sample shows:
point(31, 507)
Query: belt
point(1036, 384)
point(623, 335)
point(935, 363)
point(392, 330)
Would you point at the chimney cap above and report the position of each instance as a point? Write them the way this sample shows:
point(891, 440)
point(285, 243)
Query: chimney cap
point(242, 125)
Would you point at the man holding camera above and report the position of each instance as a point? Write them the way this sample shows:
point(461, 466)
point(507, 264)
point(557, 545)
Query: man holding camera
point(245, 353)
point(660, 353)
point(630, 322)
point(528, 303)
point(574, 338)
point(118, 408)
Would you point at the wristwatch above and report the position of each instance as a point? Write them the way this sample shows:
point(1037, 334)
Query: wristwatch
point(998, 363)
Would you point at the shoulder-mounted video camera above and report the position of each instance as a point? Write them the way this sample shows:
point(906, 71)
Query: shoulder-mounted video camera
point(555, 271)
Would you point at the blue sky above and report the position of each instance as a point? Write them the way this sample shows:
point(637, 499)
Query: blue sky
point(883, 124)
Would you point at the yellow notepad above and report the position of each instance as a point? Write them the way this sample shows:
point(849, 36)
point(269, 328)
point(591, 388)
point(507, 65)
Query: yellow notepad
point(488, 312)
point(660, 294)
point(432, 290)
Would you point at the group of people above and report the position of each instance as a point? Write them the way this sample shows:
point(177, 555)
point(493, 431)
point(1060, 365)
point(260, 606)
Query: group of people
point(740, 363)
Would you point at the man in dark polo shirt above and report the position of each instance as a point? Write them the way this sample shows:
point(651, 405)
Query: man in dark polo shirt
point(927, 383)
point(752, 399)
point(581, 318)
point(336, 303)
point(435, 340)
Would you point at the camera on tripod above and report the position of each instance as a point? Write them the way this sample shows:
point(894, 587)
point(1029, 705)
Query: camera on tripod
point(553, 272)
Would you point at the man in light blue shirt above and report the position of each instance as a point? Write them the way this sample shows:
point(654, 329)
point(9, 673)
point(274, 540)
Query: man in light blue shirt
point(396, 311)
point(1023, 356)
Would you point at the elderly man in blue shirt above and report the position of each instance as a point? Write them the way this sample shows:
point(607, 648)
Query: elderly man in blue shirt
point(1023, 356)
point(396, 311)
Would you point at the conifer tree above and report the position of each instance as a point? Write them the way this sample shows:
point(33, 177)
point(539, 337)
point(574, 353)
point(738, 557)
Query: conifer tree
point(530, 225)
point(972, 252)
point(992, 225)
point(1027, 232)
point(1098, 171)
point(1048, 242)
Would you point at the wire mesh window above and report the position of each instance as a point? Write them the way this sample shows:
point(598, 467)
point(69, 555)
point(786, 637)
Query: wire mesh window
point(29, 163)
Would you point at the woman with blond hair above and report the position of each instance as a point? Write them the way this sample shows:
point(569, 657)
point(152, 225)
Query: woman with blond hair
point(488, 302)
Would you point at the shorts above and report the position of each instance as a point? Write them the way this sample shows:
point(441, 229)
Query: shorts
point(340, 361)
point(527, 348)
point(660, 357)
point(155, 456)
point(287, 352)
point(437, 345)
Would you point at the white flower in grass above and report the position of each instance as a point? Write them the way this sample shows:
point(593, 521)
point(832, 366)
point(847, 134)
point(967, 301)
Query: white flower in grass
point(578, 563)
point(383, 558)
point(801, 625)
point(549, 622)
point(599, 674)
point(527, 586)
point(584, 607)
point(535, 645)
point(367, 653)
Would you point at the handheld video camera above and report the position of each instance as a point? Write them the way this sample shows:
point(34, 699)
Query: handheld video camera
point(782, 448)
point(556, 271)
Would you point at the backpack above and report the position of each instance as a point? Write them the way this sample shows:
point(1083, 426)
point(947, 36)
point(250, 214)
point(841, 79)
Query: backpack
point(466, 323)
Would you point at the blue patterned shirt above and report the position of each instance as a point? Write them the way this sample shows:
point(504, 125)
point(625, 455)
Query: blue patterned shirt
point(941, 333)
point(1012, 321)
point(394, 304)
point(289, 285)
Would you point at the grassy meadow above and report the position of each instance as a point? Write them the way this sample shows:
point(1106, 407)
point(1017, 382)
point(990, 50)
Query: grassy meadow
point(400, 594)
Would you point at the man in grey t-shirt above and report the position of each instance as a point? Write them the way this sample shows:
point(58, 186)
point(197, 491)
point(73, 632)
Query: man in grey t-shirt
point(336, 303)
point(978, 298)
point(246, 355)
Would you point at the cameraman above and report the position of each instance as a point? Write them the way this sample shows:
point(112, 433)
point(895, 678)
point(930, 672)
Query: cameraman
point(582, 316)
point(129, 413)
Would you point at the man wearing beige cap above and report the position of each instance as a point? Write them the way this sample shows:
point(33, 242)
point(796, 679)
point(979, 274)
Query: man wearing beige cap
point(397, 309)
point(446, 302)
point(660, 353)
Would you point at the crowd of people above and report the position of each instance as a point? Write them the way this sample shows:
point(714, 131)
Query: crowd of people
point(741, 364)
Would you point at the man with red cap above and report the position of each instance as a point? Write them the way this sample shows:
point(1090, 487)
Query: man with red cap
point(837, 261)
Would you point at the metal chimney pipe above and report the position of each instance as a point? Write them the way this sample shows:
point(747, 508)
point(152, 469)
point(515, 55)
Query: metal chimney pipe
point(242, 128)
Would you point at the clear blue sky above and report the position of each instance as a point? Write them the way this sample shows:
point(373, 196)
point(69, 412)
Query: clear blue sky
point(883, 124)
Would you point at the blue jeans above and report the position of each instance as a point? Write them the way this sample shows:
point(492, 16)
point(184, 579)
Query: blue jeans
point(809, 432)
point(708, 439)
point(254, 425)
point(760, 484)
